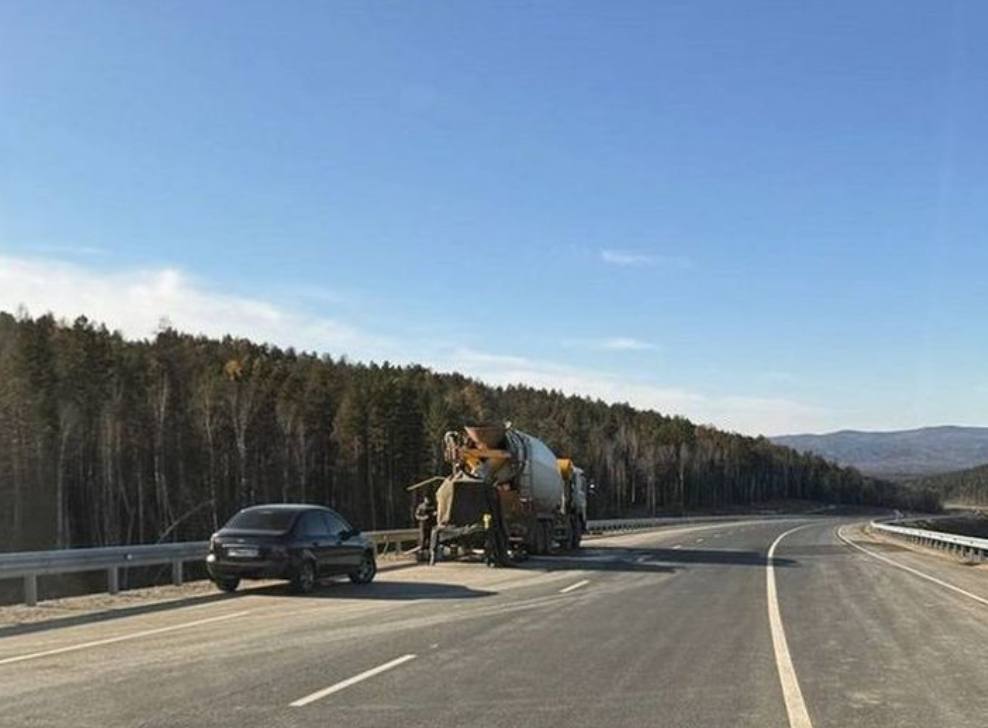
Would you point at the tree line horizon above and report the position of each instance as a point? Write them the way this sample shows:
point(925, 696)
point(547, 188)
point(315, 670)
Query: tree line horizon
point(106, 440)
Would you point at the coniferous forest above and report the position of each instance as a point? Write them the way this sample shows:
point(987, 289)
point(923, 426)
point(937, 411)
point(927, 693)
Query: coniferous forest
point(104, 440)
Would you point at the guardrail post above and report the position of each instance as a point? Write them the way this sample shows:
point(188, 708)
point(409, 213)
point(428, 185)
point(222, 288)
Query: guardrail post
point(177, 572)
point(113, 580)
point(31, 590)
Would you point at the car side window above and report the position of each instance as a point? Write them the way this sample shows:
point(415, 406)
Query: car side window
point(311, 525)
point(334, 523)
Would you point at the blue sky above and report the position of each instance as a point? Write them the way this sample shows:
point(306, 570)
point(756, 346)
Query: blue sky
point(770, 216)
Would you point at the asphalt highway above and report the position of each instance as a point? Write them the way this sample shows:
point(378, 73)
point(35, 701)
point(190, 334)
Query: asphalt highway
point(691, 626)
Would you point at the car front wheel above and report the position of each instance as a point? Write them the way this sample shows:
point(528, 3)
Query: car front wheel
point(366, 571)
point(228, 585)
point(304, 578)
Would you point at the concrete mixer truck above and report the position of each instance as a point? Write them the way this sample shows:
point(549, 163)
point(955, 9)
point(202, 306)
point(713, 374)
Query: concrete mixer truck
point(509, 494)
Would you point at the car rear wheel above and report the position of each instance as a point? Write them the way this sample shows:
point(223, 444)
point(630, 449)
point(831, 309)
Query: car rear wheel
point(228, 585)
point(304, 578)
point(366, 571)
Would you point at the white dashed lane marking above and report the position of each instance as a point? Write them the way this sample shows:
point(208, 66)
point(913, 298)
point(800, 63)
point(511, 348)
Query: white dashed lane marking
point(343, 684)
point(574, 587)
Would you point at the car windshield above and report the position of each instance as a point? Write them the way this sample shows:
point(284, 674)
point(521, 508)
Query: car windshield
point(263, 519)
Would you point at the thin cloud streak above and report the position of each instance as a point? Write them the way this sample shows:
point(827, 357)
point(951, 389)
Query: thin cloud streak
point(634, 259)
point(615, 343)
point(624, 257)
point(740, 413)
point(626, 343)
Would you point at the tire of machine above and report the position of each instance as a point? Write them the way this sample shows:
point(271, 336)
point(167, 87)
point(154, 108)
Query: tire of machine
point(497, 546)
point(575, 532)
point(538, 539)
point(547, 535)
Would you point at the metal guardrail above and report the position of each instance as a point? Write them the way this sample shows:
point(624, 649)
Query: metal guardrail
point(635, 524)
point(397, 538)
point(966, 546)
point(29, 565)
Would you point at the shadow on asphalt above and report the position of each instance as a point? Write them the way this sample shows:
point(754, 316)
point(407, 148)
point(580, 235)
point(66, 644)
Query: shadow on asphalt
point(633, 560)
point(390, 591)
point(575, 563)
point(833, 549)
point(646, 560)
point(278, 589)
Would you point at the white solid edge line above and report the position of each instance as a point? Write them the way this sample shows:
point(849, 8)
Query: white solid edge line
point(120, 638)
point(795, 705)
point(572, 587)
point(916, 572)
point(352, 681)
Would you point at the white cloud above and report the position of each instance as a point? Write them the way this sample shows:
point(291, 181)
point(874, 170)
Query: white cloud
point(135, 301)
point(634, 259)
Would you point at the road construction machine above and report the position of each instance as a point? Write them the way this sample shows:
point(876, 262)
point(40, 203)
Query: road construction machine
point(508, 494)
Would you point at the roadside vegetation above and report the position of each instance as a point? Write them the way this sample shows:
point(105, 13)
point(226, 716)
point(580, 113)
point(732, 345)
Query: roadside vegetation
point(105, 440)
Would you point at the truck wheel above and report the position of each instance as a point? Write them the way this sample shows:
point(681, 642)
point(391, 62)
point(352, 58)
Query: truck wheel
point(304, 578)
point(538, 540)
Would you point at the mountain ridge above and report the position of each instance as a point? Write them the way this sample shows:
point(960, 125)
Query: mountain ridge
point(902, 454)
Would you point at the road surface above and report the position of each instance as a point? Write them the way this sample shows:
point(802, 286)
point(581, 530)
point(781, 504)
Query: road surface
point(693, 626)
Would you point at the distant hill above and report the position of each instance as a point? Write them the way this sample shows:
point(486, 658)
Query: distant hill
point(899, 454)
point(967, 487)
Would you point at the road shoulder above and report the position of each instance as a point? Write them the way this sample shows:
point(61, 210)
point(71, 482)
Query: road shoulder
point(965, 575)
